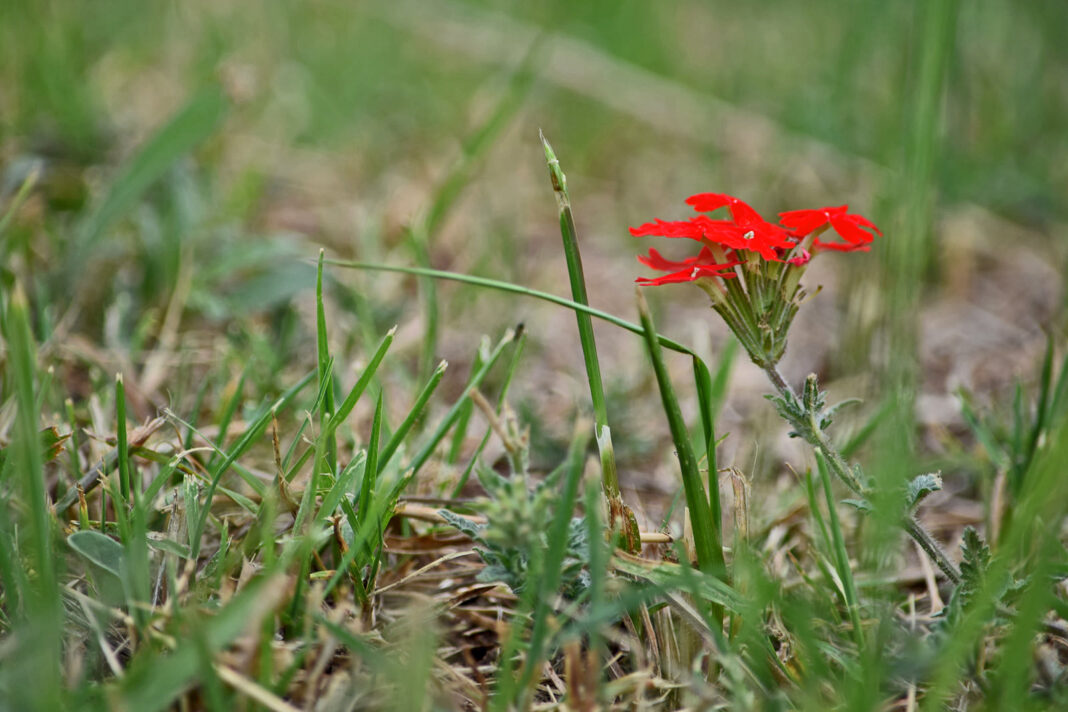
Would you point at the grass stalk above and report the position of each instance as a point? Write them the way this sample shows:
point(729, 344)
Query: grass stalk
point(841, 556)
point(707, 541)
point(41, 638)
point(326, 378)
point(488, 283)
point(620, 515)
point(120, 436)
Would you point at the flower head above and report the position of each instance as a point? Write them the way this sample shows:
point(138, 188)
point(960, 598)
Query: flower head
point(760, 307)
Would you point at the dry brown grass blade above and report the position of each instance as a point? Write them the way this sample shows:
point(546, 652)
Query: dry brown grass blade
point(423, 569)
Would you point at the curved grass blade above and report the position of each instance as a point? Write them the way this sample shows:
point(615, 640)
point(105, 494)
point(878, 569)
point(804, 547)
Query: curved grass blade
point(416, 411)
point(664, 341)
point(705, 533)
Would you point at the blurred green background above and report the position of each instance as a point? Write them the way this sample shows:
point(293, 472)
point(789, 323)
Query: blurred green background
point(222, 143)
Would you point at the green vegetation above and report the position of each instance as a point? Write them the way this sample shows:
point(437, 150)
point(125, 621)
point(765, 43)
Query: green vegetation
point(296, 414)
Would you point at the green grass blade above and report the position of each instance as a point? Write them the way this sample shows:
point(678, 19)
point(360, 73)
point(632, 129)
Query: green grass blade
point(618, 512)
point(413, 415)
point(578, 289)
point(1060, 393)
point(1013, 676)
point(538, 597)
point(1042, 499)
point(16, 203)
point(370, 471)
point(120, 430)
point(521, 338)
point(254, 430)
point(37, 668)
point(326, 378)
point(1045, 388)
point(226, 417)
point(861, 436)
point(706, 542)
point(360, 386)
point(459, 434)
point(841, 556)
point(343, 485)
point(706, 406)
point(514, 289)
point(428, 448)
point(153, 682)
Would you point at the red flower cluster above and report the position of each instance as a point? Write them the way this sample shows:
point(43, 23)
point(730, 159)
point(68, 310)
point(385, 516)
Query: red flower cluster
point(748, 231)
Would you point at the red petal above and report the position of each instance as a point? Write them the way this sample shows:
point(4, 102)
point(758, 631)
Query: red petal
point(863, 222)
point(849, 230)
point(741, 212)
point(839, 246)
point(744, 214)
point(657, 261)
point(707, 202)
point(704, 259)
point(668, 228)
point(803, 222)
point(687, 275)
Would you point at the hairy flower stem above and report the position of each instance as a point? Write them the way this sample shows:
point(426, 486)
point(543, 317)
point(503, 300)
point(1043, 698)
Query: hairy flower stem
point(815, 437)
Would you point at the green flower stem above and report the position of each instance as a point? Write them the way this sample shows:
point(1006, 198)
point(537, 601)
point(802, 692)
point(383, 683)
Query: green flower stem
point(932, 548)
point(815, 437)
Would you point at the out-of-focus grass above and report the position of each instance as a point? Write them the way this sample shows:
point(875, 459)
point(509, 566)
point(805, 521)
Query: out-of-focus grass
point(171, 244)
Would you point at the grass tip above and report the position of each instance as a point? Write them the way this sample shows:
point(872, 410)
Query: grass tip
point(643, 306)
point(18, 297)
point(442, 366)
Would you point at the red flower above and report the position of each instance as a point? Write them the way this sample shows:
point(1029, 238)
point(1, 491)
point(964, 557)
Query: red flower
point(856, 230)
point(687, 270)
